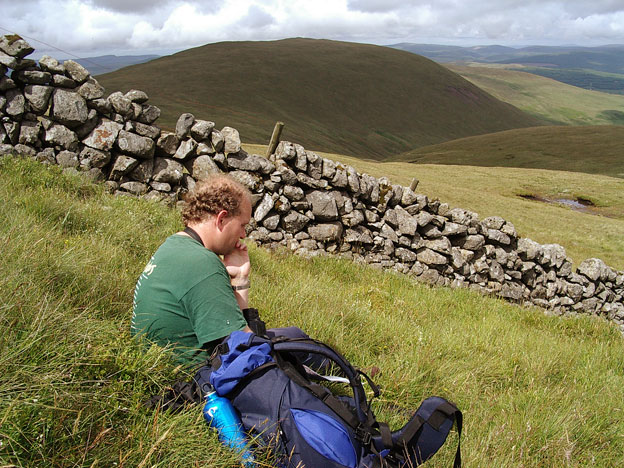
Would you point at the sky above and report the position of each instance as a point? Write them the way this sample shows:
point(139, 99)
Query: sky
point(86, 28)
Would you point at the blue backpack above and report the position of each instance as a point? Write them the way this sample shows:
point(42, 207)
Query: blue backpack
point(283, 407)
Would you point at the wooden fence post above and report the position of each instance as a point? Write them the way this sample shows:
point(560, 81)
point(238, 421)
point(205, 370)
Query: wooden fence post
point(275, 138)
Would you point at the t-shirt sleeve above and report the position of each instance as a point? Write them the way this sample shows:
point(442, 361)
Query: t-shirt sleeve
point(212, 308)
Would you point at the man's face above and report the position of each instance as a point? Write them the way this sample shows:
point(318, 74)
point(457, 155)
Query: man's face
point(234, 228)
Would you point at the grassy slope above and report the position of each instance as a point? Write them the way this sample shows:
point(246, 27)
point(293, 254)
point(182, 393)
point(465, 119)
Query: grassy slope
point(494, 191)
point(592, 150)
point(351, 98)
point(536, 391)
point(543, 97)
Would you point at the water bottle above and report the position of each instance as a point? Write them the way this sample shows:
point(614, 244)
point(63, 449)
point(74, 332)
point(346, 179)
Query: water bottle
point(220, 414)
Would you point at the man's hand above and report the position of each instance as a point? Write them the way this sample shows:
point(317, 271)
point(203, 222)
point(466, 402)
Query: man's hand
point(237, 263)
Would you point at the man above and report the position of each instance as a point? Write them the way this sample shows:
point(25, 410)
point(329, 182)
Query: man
point(192, 292)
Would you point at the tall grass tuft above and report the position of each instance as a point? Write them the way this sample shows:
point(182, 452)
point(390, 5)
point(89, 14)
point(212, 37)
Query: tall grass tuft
point(536, 391)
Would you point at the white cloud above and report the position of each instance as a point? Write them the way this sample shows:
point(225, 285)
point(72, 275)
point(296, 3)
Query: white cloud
point(81, 26)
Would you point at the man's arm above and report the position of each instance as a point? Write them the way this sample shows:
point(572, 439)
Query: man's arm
point(238, 267)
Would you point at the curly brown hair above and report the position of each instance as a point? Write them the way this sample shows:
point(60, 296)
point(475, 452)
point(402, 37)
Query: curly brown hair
point(212, 195)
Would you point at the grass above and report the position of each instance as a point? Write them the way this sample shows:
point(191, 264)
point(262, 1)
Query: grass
point(545, 98)
point(349, 98)
point(496, 191)
point(588, 149)
point(536, 391)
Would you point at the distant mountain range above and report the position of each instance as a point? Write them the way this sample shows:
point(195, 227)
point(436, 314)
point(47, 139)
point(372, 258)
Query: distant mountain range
point(357, 99)
point(111, 63)
point(599, 68)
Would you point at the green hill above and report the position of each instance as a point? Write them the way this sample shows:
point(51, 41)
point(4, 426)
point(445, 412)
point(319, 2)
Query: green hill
point(342, 97)
point(545, 98)
point(589, 149)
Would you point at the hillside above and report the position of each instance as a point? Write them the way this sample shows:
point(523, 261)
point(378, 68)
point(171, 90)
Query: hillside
point(546, 98)
point(536, 390)
point(342, 97)
point(590, 149)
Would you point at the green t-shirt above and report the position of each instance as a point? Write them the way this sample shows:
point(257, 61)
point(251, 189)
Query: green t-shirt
point(184, 298)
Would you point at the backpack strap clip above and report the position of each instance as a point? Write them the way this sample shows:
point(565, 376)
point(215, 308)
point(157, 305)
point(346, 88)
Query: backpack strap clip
point(363, 434)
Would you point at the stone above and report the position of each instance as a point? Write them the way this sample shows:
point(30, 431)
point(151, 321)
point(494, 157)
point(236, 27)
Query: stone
point(285, 150)
point(61, 81)
point(122, 166)
point(149, 131)
point(454, 229)
point(15, 103)
point(513, 291)
point(218, 141)
point(202, 129)
point(59, 135)
point(91, 89)
point(593, 268)
point(137, 96)
point(204, 149)
point(143, 172)
point(353, 180)
point(51, 65)
point(250, 180)
point(294, 222)
point(496, 272)
point(67, 159)
point(293, 193)
point(103, 106)
point(308, 181)
point(353, 218)
point(7, 61)
point(552, 255)
point(407, 224)
point(498, 236)
point(149, 114)
point(167, 144)
point(461, 216)
point(38, 97)
point(160, 186)
point(315, 165)
point(96, 158)
point(30, 133)
point(121, 104)
point(32, 77)
point(323, 205)
point(15, 46)
point(69, 108)
point(203, 167)
point(329, 169)
point(76, 71)
point(429, 257)
point(405, 255)
point(232, 140)
point(167, 170)
point(12, 130)
point(340, 178)
point(358, 235)
point(528, 249)
point(442, 245)
point(388, 233)
point(326, 232)
point(6, 83)
point(271, 222)
point(184, 124)
point(137, 188)
point(250, 162)
point(493, 222)
point(264, 207)
point(103, 136)
point(86, 128)
point(186, 149)
point(25, 150)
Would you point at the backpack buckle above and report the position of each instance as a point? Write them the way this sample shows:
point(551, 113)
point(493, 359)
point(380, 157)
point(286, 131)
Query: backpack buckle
point(363, 434)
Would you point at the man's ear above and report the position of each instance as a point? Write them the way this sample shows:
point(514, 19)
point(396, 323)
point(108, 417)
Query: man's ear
point(220, 218)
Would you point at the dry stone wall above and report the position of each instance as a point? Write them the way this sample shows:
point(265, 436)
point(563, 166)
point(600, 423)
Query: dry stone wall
point(57, 114)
